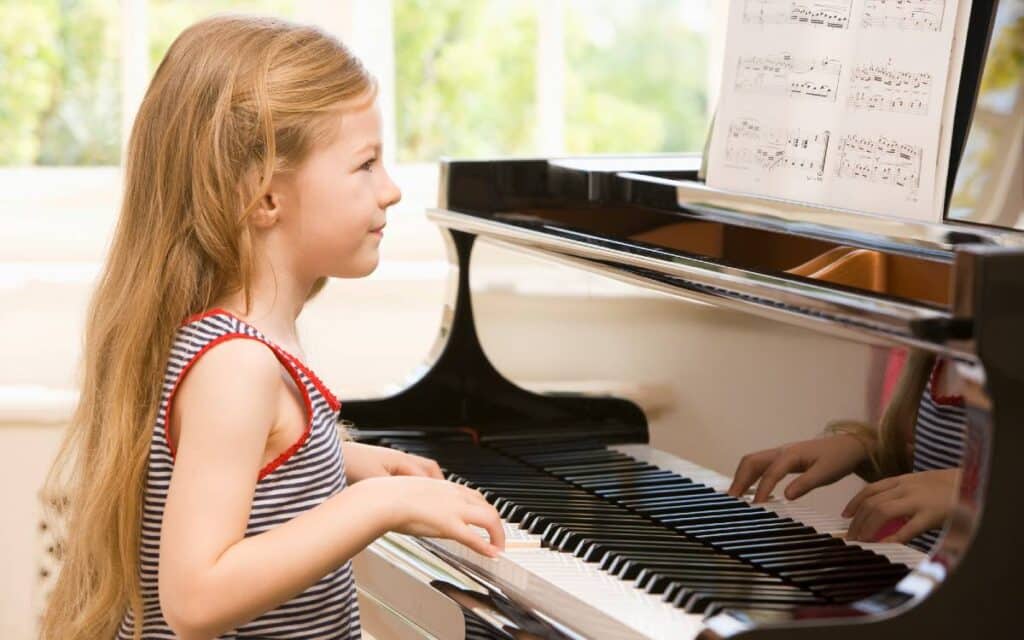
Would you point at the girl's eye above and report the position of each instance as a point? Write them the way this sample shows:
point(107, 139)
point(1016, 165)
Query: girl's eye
point(368, 165)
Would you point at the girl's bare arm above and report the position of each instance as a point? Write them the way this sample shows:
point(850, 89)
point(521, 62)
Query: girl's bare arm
point(212, 578)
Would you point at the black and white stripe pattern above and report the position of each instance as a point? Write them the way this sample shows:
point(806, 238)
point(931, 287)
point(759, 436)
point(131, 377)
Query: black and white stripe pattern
point(304, 476)
point(939, 439)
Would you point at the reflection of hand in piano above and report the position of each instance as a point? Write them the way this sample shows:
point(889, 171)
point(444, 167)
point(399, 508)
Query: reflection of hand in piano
point(924, 500)
point(819, 462)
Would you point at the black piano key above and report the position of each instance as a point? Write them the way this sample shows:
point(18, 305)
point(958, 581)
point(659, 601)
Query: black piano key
point(851, 593)
point(753, 527)
point(678, 593)
point(814, 541)
point(755, 534)
point(683, 507)
point(627, 493)
point(631, 566)
point(698, 601)
point(662, 499)
point(835, 559)
point(594, 549)
point(655, 581)
point(729, 605)
point(608, 467)
point(799, 554)
point(741, 515)
point(831, 575)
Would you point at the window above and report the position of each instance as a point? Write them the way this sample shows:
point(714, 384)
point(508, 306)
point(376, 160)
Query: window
point(60, 93)
point(635, 84)
point(549, 77)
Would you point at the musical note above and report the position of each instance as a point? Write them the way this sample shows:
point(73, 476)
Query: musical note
point(880, 160)
point(832, 14)
point(751, 146)
point(883, 88)
point(906, 15)
point(785, 75)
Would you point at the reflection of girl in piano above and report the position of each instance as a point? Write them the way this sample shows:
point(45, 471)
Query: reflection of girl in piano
point(220, 508)
point(912, 460)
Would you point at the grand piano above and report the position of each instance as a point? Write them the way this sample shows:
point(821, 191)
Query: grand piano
point(613, 538)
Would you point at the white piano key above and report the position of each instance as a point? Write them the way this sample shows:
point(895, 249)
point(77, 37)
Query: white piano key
point(602, 605)
point(515, 538)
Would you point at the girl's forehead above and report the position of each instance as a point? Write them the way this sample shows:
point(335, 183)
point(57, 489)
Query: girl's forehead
point(359, 125)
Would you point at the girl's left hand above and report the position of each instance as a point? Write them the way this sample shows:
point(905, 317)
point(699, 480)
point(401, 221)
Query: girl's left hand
point(364, 461)
point(922, 500)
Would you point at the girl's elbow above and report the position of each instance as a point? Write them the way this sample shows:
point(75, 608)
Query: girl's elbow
point(190, 616)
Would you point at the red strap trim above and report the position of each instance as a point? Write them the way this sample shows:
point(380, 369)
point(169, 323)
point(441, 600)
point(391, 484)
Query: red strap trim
point(282, 357)
point(950, 400)
point(332, 400)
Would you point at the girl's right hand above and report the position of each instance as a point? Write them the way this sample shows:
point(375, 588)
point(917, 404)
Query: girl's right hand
point(434, 508)
point(820, 461)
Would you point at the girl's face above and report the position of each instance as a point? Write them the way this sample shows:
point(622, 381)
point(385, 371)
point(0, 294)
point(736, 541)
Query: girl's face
point(333, 206)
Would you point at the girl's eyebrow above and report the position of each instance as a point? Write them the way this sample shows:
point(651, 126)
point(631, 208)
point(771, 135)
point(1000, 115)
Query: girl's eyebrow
point(371, 145)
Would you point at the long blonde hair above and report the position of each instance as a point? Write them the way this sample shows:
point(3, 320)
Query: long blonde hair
point(890, 444)
point(235, 100)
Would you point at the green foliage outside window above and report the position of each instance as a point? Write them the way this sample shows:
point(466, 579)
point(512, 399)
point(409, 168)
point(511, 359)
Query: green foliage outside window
point(465, 76)
point(636, 77)
point(60, 96)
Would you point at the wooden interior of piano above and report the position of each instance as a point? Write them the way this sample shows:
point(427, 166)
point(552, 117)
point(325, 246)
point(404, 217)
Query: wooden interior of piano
point(904, 277)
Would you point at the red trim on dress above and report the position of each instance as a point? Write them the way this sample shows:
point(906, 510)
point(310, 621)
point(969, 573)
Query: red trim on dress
point(332, 400)
point(282, 357)
point(950, 400)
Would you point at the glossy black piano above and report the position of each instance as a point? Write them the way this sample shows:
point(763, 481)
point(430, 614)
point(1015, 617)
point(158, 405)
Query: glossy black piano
point(613, 538)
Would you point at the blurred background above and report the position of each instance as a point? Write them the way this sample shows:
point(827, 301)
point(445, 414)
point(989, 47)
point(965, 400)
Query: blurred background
point(470, 79)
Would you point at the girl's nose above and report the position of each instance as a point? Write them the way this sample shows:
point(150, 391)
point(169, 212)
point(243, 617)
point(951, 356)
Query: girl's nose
point(391, 194)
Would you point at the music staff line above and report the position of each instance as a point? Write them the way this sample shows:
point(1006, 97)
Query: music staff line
point(902, 15)
point(879, 160)
point(829, 14)
point(782, 74)
point(871, 86)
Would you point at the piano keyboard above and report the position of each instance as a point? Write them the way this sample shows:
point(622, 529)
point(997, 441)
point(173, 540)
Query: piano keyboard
point(831, 524)
point(648, 544)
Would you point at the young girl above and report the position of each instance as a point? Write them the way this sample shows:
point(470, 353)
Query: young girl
point(204, 472)
point(913, 459)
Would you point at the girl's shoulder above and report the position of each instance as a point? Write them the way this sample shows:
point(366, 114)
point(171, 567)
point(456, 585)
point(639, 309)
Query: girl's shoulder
point(231, 388)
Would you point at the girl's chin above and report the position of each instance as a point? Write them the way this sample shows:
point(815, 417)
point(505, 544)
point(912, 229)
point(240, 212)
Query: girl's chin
point(361, 270)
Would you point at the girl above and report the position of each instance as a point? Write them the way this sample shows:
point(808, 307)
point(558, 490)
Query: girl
point(205, 476)
point(913, 459)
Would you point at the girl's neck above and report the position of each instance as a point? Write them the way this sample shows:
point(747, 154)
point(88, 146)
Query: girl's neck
point(275, 320)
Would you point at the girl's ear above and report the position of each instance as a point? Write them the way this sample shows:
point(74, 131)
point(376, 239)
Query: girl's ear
point(268, 213)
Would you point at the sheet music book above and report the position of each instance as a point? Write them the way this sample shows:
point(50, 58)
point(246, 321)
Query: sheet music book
point(840, 103)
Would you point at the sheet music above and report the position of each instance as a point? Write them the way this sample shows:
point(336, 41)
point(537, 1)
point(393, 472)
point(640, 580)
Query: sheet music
point(841, 103)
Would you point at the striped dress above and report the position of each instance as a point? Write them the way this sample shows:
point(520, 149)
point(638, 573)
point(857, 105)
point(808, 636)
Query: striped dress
point(305, 475)
point(939, 438)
